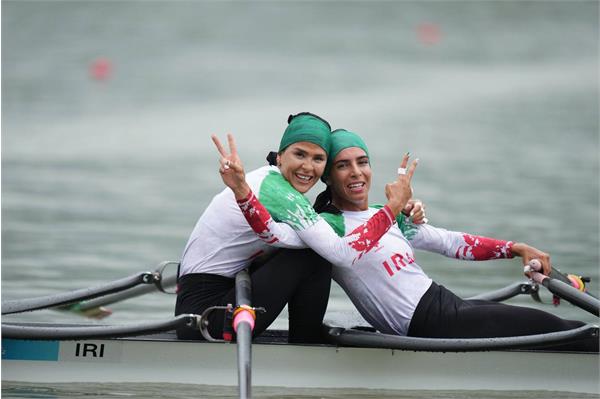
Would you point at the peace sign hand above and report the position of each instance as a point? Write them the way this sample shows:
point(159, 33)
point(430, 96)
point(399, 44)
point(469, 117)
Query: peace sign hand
point(232, 170)
point(399, 192)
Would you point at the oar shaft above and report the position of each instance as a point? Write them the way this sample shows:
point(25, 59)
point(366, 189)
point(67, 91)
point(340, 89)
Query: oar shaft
point(243, 288)
point(244, 352)
point(243, 323)
point(573, 295)
point(128, 294)
point(563, 289)
point(25, 305)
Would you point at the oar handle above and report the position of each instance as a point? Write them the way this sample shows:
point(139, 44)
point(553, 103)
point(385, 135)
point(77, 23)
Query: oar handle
point(562, 289)
point(243, 288)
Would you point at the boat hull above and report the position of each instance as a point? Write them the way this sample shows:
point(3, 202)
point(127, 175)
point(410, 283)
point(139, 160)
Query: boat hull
point(137, 360)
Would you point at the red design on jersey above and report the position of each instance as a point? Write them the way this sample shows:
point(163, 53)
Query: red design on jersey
point(388, 268)
point(483, 248)
point(257, 217)
point(369, 233)
point(397, 258)
point(399, 262)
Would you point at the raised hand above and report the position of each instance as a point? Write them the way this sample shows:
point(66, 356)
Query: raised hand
point(399, 192)
point(232, 170)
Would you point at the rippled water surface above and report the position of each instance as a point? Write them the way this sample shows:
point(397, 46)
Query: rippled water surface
point(84, 391)
point(105, 175)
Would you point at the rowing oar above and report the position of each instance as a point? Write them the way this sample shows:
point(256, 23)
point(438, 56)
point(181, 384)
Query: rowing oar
point(66, 298)
point(95, 308)
point(562, 289)
point(243, 324)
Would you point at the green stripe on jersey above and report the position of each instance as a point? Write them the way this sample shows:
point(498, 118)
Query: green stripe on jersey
point(336, 222)
point(408, 228)
point(284, 203)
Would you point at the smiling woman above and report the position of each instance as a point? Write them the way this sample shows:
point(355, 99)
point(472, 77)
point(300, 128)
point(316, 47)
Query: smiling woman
point(385, 282)
point(354, 173)
point(388, 286)
point(224, 242)
point(302, 164)
point(350, 163)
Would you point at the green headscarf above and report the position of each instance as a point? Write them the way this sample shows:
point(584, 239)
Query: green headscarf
point(306, 127)
point(340, 140)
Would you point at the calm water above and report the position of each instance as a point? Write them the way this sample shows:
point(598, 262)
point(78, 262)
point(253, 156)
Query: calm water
point(102, 178)
point(150, 391)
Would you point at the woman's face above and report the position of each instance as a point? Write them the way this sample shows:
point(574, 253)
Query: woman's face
point(350, 180)
point(302, 164)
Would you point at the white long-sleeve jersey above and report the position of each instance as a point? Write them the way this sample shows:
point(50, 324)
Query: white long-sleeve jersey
point(223, 241)
point(386, 284)
point(383, 279)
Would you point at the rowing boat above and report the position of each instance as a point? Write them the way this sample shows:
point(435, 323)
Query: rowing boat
point(163, 358)
point(349, 358)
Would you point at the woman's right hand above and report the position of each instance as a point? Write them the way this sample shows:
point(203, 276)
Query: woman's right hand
point(415, 211)
point(232, 170)
point(399, 192)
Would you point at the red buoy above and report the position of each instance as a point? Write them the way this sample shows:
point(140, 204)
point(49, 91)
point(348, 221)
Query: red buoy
point(101, 69)
point(429, 33)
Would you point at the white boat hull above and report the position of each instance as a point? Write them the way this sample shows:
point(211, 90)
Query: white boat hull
point(306, 366)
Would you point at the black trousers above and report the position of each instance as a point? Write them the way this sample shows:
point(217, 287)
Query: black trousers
point(299, 278)
point(442, 314)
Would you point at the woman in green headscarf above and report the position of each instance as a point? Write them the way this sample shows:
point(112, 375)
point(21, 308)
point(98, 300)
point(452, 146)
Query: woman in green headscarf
point(223, 243)
point(390, 289)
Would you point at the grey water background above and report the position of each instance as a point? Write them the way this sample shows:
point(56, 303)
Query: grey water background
point(105, 178)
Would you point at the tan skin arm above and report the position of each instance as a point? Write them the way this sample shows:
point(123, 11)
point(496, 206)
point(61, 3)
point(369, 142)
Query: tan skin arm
point(528, 253)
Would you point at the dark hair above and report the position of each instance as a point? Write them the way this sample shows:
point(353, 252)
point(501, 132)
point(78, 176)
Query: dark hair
point(272, 158)
point(323, 203)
